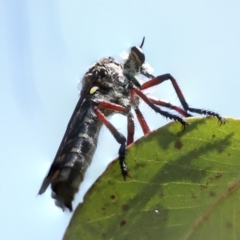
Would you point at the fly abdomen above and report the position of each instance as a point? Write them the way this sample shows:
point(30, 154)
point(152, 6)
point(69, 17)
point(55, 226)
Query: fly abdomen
point(74, 157)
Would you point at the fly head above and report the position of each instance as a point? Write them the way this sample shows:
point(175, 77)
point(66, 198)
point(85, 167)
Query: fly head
point(135, 60)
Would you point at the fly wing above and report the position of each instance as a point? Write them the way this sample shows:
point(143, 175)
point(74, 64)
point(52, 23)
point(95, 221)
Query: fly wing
point(55, 165)
point(54, 169)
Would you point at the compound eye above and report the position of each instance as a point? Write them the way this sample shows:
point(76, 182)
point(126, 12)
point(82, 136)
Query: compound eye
point(93, 89)
point(138, 53)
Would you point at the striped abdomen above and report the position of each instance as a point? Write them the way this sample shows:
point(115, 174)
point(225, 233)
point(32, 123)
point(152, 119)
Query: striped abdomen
point(74, 156)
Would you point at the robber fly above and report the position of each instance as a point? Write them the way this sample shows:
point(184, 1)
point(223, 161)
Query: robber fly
point(108, 87)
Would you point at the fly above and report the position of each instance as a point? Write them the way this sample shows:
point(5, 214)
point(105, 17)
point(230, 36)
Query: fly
point(108, 87)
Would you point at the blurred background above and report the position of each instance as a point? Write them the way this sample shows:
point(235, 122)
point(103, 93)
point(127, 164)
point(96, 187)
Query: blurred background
point(45, 49)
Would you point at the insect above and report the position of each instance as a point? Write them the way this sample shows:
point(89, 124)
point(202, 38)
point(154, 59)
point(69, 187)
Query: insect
point(108, 87)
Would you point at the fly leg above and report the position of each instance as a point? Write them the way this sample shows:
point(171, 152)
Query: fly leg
point(164, 77)
point(157, 109)
point(117, 135)
point(170, 106)
point(139, 115)
point(141, 119)
point(130, 128)
point(143, 123)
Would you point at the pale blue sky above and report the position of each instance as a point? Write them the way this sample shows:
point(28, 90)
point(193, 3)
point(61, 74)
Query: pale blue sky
point(45, 48)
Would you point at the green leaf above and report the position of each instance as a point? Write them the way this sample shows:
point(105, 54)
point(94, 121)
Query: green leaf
point(184, 185)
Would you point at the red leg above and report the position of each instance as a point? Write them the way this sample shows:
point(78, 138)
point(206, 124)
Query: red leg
point(119, 138)
point(157, 109)
point(130, 129)
point(169, 105)
point(162, 78)
point(139, 115)
point(158, 80)
point(142, 122)
point(111, 106)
